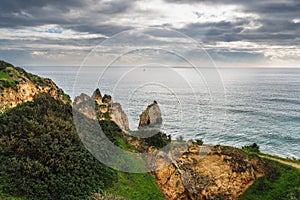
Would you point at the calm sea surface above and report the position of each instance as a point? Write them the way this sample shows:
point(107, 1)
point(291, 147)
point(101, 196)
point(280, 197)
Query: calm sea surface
point(231, 106)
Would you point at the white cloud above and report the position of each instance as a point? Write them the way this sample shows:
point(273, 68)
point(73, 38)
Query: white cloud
point(50, 31)
point(38, 53)
point(296, 20)
point(158, 12)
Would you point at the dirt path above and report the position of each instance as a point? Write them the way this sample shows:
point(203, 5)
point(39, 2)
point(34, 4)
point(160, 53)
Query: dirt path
point(293, 164)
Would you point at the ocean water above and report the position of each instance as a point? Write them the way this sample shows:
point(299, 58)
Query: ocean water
point(228, 106)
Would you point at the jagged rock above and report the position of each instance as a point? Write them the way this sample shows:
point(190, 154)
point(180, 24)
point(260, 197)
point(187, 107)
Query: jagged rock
point(151, 117)
point(97, 96)
point(107, 110)
point(107, 99)
point(119, 116)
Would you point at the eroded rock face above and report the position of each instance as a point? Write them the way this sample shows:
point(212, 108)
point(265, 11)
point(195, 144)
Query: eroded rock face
point(224, 173)
point(151, 117)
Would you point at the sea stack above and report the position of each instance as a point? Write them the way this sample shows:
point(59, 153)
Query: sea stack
point(151, 117)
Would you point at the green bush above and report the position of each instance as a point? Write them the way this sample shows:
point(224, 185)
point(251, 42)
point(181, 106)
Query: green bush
point(251, 148)
point(158, 140)
point(199, 141)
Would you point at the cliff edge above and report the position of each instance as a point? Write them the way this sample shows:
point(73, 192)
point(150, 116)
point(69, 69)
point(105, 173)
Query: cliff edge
point(17, 86)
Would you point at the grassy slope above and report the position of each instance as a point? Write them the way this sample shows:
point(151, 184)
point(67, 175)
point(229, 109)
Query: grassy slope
point(286, 186)
point(133, 185)
point(136, 186)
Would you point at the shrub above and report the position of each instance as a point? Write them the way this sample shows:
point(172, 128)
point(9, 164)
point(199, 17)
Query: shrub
point(158, 140)
point(199, 141)
point(251, 148)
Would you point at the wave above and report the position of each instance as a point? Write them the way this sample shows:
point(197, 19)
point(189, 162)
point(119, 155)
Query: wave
point(280, 100)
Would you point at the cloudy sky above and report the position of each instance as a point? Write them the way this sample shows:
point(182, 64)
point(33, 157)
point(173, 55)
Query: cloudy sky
point(235, 33)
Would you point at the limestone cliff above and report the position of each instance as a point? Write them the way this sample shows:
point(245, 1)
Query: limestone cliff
point(17, 86)
point(151, 117)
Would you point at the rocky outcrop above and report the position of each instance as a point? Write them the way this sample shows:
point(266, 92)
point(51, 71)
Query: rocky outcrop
point(17, 86)
point(151, 117)
point(218, 173)
point(102, 108)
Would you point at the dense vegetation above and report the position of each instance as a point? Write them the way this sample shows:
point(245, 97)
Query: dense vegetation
point(43, 158)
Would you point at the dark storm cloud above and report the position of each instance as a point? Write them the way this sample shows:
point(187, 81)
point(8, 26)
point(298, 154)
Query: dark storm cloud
point(275, 19)
point(14, 13)
point(214, 32)
point(91, 18)
point(270, 31)
point(15, 6)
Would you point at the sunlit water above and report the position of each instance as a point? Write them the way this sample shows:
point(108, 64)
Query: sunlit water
point(261, 105)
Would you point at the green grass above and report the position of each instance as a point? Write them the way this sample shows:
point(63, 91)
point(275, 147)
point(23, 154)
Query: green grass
point(4, 75)
point(122, 144)
point(280, 158)
point(286, 186)
point(250, 153)
point(136, 186)
point(6, 80)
